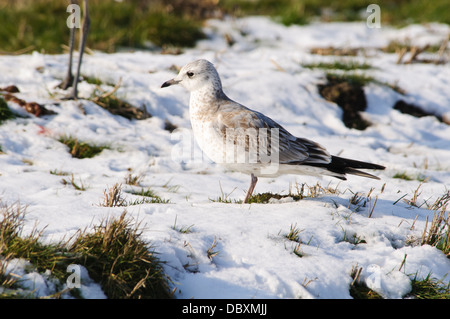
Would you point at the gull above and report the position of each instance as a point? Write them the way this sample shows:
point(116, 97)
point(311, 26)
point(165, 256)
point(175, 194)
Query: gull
point(248, 141)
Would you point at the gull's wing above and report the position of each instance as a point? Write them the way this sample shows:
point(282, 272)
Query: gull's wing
point(292, 150)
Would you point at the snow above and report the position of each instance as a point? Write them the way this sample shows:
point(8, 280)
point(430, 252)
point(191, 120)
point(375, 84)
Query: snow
point(42, 285)
point(262, 70)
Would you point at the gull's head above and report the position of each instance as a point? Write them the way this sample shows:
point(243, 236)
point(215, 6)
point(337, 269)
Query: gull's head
point(197, 75)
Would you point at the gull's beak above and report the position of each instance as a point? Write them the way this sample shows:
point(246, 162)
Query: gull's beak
point(169, 83)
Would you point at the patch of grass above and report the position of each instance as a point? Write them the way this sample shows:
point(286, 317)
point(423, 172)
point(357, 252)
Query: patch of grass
point(96, 81)
point(414, 200)
point(58, 172)
point(438, 233)
point(182, 229)
point(301, 12)
point(353, 239)
point(265, 198)
point(225, 198)
point(145, 192)
point(403, 175)
point(339, 65)
point(404, 12)
point(429, 288)
point(295, 12)
point(117, 257)
point(113, 252)
point(441, 202)
point(91, 80)
point(113, 197)
point(78, 187)
point(359, 290)
point(41, 25)
point(5, 112)
point(81, 149)
point(133, 180)
point(336, 51)
point(406, 177)
point(293, 234)
point(360, 79)
point(301, 191)
point(298, 250)
point(358, 201)
point(110, 102)
point(166, 29)
point(148, 197)
point(211, 252)
point(14, 244)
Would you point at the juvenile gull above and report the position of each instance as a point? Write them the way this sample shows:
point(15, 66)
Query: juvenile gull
point(248, 141)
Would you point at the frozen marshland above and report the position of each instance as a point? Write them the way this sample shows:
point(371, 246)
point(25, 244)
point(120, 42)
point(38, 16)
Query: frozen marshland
point(212, 245)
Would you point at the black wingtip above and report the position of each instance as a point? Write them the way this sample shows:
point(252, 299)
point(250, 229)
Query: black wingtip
point(344, 166)
point(349, 163)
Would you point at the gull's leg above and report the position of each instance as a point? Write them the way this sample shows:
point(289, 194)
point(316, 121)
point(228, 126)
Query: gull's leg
point(84, 33)
point(253, 182)
point(67, 82)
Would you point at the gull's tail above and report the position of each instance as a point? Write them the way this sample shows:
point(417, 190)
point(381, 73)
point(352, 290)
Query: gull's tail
point(348, 166)
point(341, 166)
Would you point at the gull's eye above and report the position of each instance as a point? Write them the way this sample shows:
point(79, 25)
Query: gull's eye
point(190, 74)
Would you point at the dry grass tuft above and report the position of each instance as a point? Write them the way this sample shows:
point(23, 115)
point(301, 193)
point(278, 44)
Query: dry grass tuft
point(119, 259)
point(113, 197)
point(438, 234)
point(114, 254)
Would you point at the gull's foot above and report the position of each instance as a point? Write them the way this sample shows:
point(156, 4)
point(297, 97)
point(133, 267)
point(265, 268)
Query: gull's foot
point(67, 83)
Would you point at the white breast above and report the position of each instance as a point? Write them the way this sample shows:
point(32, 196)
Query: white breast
point(210, 140)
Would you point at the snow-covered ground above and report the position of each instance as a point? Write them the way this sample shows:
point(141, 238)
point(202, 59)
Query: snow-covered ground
point(262, 70)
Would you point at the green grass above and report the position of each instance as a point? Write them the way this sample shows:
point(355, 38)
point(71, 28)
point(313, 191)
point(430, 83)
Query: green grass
point(396, 12)
point(360, 79)
point(149, 197)
point(406, 177)
point(266, 197)
point(358, 289)
point(361, 291)
point(80, 149)
point(182, 229)
point(113, 197)
point(426, 288)
point(339, 65)
point(263, 198)
point(429, 288)
point(117, 257)
point(110, 102)
point(113, 252)
point(300, 192)
point(294, 233)
point(41, 25)
point(59, 172)
point(78, 186)
point(403, 175)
